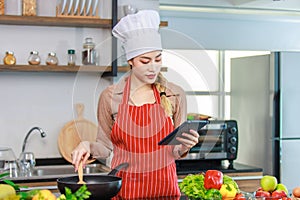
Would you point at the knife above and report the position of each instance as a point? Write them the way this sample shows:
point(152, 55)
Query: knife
point(89, 4)
point(70, 6)
point(95, 7)
point(82, 7)
point(76, 6)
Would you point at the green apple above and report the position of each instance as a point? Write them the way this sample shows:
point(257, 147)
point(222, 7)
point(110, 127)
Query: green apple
point(282, 187)
point(268, 183)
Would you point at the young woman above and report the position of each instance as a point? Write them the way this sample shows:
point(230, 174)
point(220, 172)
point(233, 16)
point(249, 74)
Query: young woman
point(139, 111)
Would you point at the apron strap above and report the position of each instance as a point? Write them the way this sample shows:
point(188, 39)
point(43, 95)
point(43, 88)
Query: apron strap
point(126, 93)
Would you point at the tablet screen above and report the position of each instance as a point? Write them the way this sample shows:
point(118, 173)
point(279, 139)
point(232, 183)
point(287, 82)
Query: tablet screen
point(183, 128)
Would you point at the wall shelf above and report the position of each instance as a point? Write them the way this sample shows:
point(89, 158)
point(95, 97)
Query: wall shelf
point(59, 21)
point(55, 21)
point(62, 68)
point(63, 22)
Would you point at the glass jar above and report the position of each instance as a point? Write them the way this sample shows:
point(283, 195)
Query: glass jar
point(71, 57)
point(89, 52)
point(52, 59)
point(29, 8)
point(2, 7)
point(34, 58)
point(9, 59)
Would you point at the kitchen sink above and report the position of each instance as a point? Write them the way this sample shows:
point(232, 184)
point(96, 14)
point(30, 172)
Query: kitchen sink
point(67, 169)
point(57, 171)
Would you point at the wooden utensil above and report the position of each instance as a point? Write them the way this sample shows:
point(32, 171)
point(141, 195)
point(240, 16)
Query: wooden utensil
point(80, 174)
point(74, 132)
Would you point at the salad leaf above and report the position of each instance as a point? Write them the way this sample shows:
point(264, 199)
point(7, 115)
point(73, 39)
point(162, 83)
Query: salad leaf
point(81, 194)
point(193, 186)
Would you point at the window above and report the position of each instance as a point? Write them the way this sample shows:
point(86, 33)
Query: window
point(205, 76)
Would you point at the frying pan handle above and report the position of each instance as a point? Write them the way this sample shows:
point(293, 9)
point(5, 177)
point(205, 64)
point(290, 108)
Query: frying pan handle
point(114, 171)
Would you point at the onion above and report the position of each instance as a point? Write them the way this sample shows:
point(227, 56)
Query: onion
point(296, 191)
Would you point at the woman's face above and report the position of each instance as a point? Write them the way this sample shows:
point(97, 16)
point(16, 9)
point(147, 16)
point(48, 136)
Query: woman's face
point(146, 67)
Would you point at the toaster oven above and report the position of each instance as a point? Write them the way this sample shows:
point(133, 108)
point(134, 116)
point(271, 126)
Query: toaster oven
point(218, 141)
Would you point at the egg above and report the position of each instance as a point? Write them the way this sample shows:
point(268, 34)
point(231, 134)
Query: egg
point(296, 191)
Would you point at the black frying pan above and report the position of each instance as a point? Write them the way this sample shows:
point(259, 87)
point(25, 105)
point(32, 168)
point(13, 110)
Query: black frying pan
point(100, 186)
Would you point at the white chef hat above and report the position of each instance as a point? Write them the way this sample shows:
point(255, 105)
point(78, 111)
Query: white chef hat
point(139, 33)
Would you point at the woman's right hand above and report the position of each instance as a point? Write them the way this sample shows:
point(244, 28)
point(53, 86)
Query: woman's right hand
point(81, 153)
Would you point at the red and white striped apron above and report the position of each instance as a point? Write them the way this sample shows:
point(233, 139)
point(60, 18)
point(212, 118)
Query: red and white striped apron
point(135, 135)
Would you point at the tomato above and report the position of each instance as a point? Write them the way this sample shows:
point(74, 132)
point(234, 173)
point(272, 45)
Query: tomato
point(286, 198)
point(239, 196)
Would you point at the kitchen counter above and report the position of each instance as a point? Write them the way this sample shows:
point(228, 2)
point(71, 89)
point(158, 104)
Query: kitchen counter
point(247, 177)
point(193, 167)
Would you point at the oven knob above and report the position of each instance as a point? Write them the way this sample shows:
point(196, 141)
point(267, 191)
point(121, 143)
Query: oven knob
point(232, 140)
point(232, 150)
point(233, 130)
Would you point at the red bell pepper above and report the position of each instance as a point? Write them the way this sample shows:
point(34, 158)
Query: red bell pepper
point(213, 179)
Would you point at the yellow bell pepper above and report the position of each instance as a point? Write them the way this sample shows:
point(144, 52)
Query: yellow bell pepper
point(228, 191)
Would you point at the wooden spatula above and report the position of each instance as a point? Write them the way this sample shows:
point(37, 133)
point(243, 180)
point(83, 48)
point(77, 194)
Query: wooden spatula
point(80, 174)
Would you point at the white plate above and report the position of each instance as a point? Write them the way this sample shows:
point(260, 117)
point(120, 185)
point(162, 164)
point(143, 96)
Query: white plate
point(95, 7)
point(82, 7)
point(76, 6)
point(64, 3)
point(88, 7)
point(70, 6)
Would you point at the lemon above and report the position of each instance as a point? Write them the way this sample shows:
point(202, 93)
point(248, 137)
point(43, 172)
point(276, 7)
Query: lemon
point(6, 190)
point(44, 195)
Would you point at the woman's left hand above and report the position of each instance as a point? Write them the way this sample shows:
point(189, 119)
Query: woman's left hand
point(188, 140)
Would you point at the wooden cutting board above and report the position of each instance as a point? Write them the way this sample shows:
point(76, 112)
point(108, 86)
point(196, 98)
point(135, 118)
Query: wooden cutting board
point(75, 131)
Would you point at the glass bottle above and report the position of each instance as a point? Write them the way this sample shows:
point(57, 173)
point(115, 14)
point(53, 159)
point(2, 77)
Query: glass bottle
point(89, 53)
point(9, 59)
point(29, 8)
point(34, 58)
point(52, 59)
point(71, 57)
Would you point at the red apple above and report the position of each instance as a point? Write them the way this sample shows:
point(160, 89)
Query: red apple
point(278, 194)
point(261, 193)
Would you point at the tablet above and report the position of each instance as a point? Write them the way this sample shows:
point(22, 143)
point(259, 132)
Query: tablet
point(183, 128)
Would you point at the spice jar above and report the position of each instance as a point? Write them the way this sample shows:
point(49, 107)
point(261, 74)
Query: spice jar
point(89, 52)
point(9, 59)
point(52, 59)
point(34, 58)
point(71, 57)
point(29, 8)
point(2, 7)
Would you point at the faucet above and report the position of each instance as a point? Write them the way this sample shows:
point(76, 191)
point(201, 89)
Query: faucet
point(43, 134)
